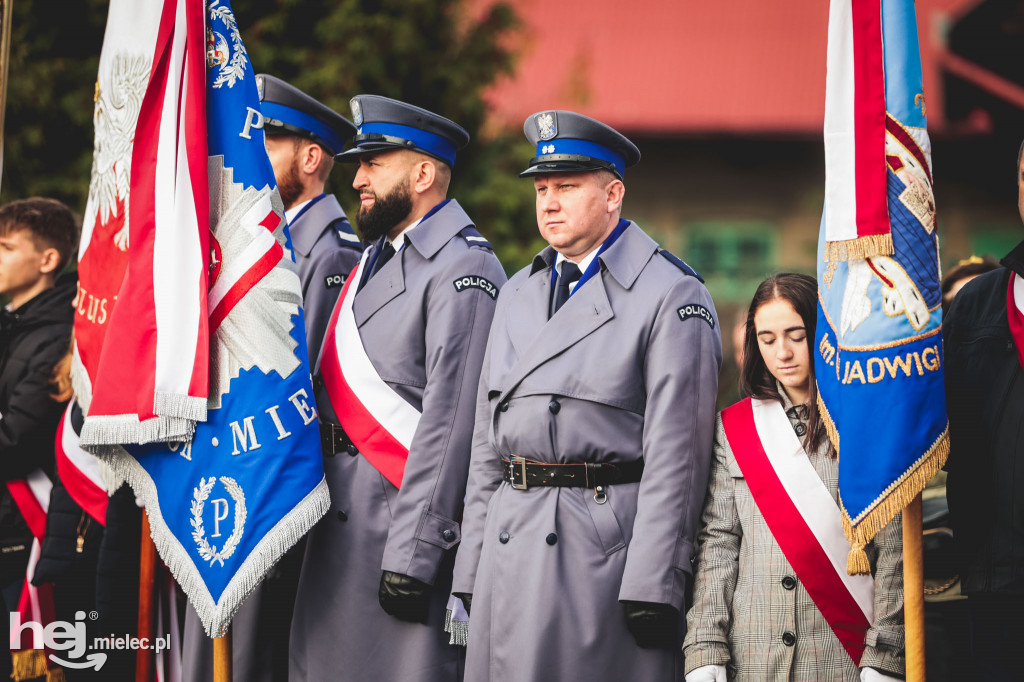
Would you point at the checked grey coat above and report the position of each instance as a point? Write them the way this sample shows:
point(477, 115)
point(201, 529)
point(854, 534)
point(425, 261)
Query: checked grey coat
point(617, 374)
point(741, 608)
point(425, 336)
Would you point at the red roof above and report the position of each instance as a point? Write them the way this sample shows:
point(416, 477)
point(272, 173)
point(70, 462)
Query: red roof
point(663, 66)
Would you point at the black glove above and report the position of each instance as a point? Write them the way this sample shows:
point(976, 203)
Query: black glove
point(403, 597)
point(653, 625)
point(467, 600)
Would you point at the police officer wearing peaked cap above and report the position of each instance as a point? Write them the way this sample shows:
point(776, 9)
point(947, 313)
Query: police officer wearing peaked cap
point(376, 576)
point(595, 419)
point(302, 137)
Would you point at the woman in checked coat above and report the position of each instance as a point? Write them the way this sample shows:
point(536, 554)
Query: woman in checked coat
point(771, 556)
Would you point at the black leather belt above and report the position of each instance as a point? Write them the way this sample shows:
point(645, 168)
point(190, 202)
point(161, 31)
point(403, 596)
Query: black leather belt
point(522, 473)
point(334, 440)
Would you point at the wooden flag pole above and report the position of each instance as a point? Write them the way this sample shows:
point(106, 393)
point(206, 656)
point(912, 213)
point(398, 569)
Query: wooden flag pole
point(6, 8)
point(913, 591)
point(222, 658)
point(144, 667)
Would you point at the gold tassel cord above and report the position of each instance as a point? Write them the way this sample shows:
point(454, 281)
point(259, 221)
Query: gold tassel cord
point(28, 664)
point(894, 502)
point(859, 248)
point(830, 426)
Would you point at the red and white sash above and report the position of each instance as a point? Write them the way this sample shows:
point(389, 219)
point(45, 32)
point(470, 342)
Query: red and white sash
point(377, 419)
point(802, 516)
point(1015, 313)
point(79, 471)
point(32, 496)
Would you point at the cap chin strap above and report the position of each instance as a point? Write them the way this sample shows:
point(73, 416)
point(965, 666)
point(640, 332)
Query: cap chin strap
point(599, 164)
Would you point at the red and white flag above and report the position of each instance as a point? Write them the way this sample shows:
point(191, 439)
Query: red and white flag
point(150, 380)
point(856, 200)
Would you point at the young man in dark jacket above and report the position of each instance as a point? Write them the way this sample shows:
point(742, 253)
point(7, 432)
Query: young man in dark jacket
point(984, 353)
point(37, 238)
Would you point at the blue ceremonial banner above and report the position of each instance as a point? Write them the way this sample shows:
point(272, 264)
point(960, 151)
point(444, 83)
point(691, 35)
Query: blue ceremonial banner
point(878, 360)
point(226, 505)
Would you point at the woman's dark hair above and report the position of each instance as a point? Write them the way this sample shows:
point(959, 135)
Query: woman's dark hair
point(801, 292)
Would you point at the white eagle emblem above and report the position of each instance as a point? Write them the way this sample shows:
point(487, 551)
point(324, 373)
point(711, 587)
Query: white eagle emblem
point(114, 117)
point(200, 494)
point(546, 127)
point(230, 60)
point(357, 112)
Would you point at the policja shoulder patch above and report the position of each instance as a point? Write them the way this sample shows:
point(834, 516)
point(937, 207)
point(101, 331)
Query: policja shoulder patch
point(334, 281)
point(475, 282)
point(697, 310)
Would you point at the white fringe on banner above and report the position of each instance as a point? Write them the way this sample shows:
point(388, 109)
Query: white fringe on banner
point(216, 616)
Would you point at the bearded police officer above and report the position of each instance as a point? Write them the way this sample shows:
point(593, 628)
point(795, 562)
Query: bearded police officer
point(396, 386)
point(302, 137)
point(593, 435)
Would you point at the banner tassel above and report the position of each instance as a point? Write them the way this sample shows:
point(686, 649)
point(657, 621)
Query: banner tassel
point(28, 664)
point(859, 248)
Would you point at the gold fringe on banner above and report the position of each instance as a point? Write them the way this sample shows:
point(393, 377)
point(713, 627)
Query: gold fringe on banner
point(28, 664)
point(55, 675)
point(859, 248)
point(894, 500)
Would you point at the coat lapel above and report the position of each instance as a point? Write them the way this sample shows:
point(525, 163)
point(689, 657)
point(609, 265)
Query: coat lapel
point(585, 312)
point(384, 286)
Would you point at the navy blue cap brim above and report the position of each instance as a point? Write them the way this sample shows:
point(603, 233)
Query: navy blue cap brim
point(352, 155)
point(548, 167)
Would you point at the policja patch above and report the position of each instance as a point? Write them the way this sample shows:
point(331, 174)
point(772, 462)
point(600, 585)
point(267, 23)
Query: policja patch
point(474, 282)
point(697, 310)
point(334, 281)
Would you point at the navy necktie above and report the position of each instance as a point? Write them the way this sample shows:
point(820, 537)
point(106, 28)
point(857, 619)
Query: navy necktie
point(569, 275)
point(386, 252)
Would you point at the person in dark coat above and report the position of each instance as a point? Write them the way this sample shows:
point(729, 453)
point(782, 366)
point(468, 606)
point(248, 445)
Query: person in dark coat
point(37, 238)
point(983, 339)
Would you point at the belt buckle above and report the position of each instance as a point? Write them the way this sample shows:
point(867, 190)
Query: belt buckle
point(520, 462)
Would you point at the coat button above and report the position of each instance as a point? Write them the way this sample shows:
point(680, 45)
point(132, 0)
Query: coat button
point(800, 429)
point(554, 406)
point(788, 638)
point(342, 516)
point(351, 449)
point(789, 582)
point(503, 538)
point(503, 407)
point(551, 539)
point(447, 535)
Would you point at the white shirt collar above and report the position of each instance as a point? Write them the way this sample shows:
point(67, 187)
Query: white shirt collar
point(290, 214)
point(582, 265)
point(399, 241)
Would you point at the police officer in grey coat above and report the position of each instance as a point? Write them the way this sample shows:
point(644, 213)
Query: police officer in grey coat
point(302, 137)
point(406, 338)
point(595, 417)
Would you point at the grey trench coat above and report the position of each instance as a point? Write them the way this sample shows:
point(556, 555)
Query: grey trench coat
point(618, 373)
point(426, 339)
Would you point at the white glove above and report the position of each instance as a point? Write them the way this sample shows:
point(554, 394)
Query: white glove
point(872, 675)
point(707, 673)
